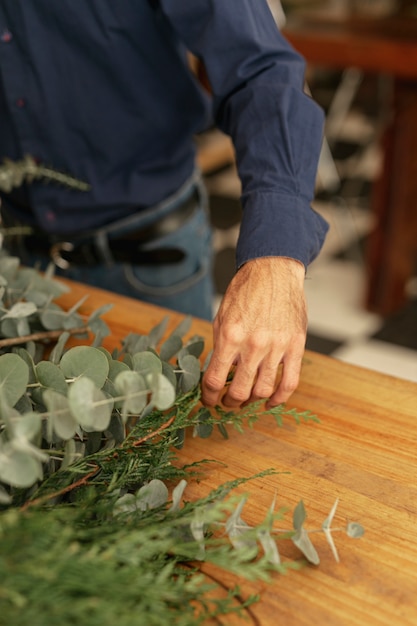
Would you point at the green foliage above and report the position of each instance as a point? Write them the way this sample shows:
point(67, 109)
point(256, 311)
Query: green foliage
point(91, 491)
point(15, 173)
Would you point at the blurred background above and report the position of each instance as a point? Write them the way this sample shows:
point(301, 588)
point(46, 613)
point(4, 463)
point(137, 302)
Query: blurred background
point(362, 69)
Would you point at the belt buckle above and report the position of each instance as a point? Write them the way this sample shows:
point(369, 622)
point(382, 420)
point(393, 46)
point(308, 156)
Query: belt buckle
point(56, 256)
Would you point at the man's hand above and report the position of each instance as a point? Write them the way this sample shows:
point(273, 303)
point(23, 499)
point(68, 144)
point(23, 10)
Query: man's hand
point(261, 323)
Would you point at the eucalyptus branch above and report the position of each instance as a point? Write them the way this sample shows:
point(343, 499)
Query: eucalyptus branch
point(46, 335)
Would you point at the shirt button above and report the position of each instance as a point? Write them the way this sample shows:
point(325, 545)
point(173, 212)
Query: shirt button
point(6, 36)
point(20, 102)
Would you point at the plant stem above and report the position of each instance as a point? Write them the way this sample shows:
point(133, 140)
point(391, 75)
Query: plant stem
point(40, 336)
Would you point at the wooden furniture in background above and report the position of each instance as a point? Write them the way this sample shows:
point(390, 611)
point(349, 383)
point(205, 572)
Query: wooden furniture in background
point(387, 46)
point(363, 452)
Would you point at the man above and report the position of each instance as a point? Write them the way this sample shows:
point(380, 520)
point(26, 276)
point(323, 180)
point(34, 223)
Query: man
point(103, 91)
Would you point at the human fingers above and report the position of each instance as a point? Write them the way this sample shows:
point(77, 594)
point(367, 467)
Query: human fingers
point(216, 374)
point(290, 376)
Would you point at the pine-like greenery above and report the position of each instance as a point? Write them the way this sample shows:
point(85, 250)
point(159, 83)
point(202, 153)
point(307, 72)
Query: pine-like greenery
point(95, 526)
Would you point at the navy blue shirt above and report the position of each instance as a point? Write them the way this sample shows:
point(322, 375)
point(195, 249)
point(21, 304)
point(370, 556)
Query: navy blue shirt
point(103, 90)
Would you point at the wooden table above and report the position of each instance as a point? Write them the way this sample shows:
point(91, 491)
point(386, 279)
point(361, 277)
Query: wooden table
point(387, 46)
point(364, 452)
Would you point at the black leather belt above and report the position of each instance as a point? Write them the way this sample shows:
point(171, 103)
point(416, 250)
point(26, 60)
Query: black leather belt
point(124, 249)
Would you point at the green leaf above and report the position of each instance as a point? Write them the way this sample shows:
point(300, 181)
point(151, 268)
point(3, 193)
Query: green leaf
point(170, 347)
point(125, 504)
point(87, 362)
point(28, 359)
point(146, 363)
point(195, 348)
point(327, 531)
point(190, 375)
point(183, 327)
point(14, 377)
point(9, 328)
point(177, 494)
point(152, 495)
point(133, 387)
point(70, 455)
point(354, 530)
point(52, 317)
point(204, 427)
point(163, 393)
point(168, 371)
point(238, 532)
point(116, 368)
point(51, 376)
point(303, 543)
point(60, 418)
point(58, 349)
point(158, 332)
point(26, 426)
point(98, 312)
point(299, 516)
point(269, 546)
point(88, 404)
point(9, 266)
point(19, 469)
point(21, 309)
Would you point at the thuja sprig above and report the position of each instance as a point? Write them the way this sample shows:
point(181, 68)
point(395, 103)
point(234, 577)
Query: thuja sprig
point(15, 173)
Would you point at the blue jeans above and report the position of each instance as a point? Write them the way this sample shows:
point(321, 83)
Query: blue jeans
point(185, 286)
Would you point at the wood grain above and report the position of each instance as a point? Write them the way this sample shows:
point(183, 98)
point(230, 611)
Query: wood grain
point(363, 451)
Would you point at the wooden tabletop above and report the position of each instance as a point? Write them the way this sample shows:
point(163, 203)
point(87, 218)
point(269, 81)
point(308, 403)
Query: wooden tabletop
point(363, 451)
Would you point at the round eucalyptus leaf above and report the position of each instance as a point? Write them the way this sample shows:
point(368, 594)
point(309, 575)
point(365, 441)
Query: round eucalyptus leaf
point(9, 266)
point(169, 372)
point(22, 326)
point(85, 361)
point(39, 298)
point(133, 387)
point(88, 404)
point(51, 376)
point(27, 426)
point(354, 530)
point(14, 377)
point(106, 354)
point(28, 359)
point(116, 368)
point(190, 376)
point(125, 504)
point(152, 495)
point(21, 309)
point(60, 418)
point(194, 347)
point(163, 392)
point(19, 469)
point(52, 317)
point(9, 328)
point(23, 405)
point(146, 362)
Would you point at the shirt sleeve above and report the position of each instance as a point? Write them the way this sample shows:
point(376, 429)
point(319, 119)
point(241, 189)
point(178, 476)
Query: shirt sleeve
point(257, 82)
